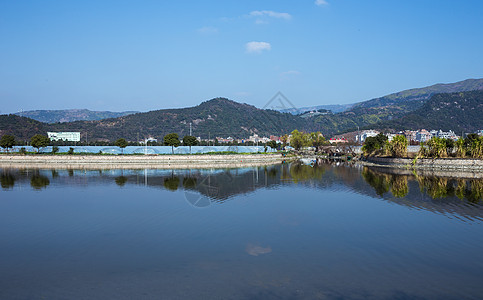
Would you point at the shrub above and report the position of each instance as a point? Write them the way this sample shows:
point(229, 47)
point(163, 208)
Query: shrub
point(437, 147)
point(374, 143)
point(399, 146)
point(460, 148)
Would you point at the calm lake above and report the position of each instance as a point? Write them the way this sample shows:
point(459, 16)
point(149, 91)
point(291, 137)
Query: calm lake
point(280, 232)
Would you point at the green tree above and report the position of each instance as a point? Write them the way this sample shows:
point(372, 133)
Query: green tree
point(374, 143)
point(171, 139)
point(284, 140)
point(7, 141)
point(190, 140)
point(272, 144)
point(317, 140)
point(476, 147)
point(437, 147)
point(299, 140)
point(460, 148)
point(399, 146)
point(55, 149)
point(39, 141)
point(121, 143)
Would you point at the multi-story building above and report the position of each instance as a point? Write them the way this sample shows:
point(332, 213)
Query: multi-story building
point(64, 136)
point(365, 134)
point(423, 136)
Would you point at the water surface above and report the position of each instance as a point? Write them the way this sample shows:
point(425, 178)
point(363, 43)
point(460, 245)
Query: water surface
point(281, 232)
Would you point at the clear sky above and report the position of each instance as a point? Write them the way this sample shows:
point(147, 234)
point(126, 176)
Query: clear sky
point(146, 55)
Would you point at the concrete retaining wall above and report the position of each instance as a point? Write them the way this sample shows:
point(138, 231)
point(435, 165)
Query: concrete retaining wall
point(427, 163)
point(141, 161)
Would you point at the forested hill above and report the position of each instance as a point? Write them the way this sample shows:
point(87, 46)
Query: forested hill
point(419, 95)
point(369, 113)
point(461, 112)
point(71, 115)
point(217, 117)
point(21, 127)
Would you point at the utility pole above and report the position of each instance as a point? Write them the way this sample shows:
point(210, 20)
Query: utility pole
point(358, 136)
point(190, 130)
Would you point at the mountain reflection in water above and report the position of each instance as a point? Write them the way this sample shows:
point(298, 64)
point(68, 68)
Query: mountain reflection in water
point(460, 196)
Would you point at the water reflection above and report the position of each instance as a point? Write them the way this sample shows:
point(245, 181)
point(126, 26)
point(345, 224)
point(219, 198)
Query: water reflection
point(171, 183)
point(38, 181)
point(436, 187)
point(204, 187)
point(256, 250)
point(300, 172)
point(7, 180)
point(121, 180)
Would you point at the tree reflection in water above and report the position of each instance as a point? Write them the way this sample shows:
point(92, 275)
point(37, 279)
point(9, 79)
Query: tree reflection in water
point(399, 186)
point(171, 183)
point(433, 186)
point(38, 181)
point(378, 181)
point(189, 183)
point(121, 180)
point(7, 180)
point(300, 172)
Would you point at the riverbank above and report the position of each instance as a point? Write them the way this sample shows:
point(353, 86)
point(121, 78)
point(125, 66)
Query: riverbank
point(448, 164)
point(139, 161)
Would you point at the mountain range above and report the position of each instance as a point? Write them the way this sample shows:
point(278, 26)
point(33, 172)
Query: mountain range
point(71, 115)
point(456, 106)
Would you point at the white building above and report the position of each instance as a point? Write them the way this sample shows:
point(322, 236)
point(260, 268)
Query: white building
point(423, 136)
point(447, 135)
point(365, 134)
point(64, 136)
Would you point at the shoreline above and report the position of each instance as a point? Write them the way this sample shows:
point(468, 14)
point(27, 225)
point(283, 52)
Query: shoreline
point(434, 164)
point(139, 161)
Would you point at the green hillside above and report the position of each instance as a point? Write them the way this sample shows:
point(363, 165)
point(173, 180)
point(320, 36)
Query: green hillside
point(369, 113)
point(461, 112)
point(419, 95)
point(217, 117)
point(71, 115)
point(21, 127)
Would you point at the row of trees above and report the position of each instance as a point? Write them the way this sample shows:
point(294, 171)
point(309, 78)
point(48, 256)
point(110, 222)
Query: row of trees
point(471, 146)
point(379, 145)
point(37, 141)
point(171, 139)
point(300, 139)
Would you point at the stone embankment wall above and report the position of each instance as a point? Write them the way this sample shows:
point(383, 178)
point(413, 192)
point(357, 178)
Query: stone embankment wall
point(428, 163)
point(141, 161)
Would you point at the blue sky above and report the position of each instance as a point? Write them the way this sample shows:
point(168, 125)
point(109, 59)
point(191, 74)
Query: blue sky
point(146, 55)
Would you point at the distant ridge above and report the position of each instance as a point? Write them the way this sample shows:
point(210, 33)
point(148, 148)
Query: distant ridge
point(71, 115)
point(219, 117)
point(391, 107)
point(460, 112)
point(419, 95)
point(431, 108)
